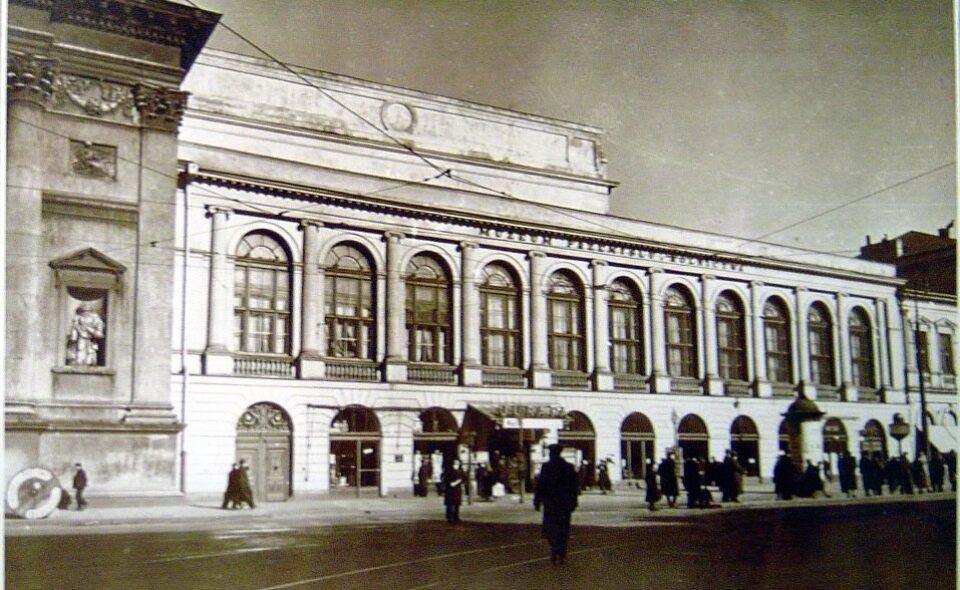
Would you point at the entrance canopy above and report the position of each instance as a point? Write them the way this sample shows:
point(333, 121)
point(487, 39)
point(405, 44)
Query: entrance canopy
point(943, 437)
point(538, 416)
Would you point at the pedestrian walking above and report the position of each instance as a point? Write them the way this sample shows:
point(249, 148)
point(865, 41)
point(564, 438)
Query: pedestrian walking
point(452, 482)
point(906, 475)
point(878, 476)
point(231, 497)
point(483, 483)
point(653, 491)
point(936, 472)
point(424, 474)
point(245, 493)
point(847, 472)
point(921, 477)
point(557, 491)
point(784, 477)
point(667, 470)
point(603, 479)
point(950, 460)
point(693, 483)
point(80, 484)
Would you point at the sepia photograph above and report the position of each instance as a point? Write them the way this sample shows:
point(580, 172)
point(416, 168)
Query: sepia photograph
point(480, 294)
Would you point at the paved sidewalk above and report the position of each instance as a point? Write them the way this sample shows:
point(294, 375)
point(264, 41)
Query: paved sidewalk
point(626, 505)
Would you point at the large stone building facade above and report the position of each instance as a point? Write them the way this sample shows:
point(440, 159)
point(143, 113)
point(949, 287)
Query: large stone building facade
point(93, 107)
point(351, 278)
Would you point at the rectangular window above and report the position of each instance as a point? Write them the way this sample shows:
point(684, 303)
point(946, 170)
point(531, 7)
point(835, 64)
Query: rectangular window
point(924, 352)
point(946, 354)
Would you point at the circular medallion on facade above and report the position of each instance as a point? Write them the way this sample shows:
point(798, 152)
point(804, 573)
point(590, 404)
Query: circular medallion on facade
point(33, 493)
point(397, 116)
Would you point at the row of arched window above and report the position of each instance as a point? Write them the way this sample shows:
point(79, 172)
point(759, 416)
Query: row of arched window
point(262, 320)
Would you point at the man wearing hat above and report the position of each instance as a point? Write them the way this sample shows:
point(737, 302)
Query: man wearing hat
point(557, 491)
point(79, 484)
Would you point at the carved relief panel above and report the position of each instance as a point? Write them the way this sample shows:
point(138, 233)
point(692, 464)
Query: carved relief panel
point(93, 159)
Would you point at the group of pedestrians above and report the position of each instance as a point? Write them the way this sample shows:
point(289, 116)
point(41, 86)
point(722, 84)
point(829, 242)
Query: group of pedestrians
point(663, 481)
point(238, 487)
point(896, 473)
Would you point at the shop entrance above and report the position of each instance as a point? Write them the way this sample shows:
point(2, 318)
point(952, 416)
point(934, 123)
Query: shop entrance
point(693, 437)
point(355, 451)
point(874, 440)
point(263, 441)
point(745, 442)
point(434, 447)
point(636, 445)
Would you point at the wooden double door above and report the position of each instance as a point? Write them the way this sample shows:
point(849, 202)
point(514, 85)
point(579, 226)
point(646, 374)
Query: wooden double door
point(269, 459)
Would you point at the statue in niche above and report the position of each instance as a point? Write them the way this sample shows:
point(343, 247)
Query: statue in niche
point(86, 334)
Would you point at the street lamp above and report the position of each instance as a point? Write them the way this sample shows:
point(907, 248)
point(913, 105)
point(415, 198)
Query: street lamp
point(899, 429)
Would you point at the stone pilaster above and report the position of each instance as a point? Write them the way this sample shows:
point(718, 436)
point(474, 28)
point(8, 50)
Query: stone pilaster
point(395, 365)
point(602, 376)
point(847, 388)
point(217, 359)
point(470, 370)
point(712, 383)
point(803, 344)
point(659, 379)
point(312, 343)
point(761, 381)
point(539, 370)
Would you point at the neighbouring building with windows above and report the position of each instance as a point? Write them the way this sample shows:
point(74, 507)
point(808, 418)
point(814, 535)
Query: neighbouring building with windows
point(351, 279)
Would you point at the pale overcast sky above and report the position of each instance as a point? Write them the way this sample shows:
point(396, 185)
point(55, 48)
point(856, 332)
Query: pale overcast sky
point(732, 117)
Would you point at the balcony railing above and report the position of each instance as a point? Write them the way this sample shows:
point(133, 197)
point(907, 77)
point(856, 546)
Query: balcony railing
point(351, 370)
point(439, 374)
point(784, 390)
point(828, 392)
point(737, 388)
point(630, 382)
point(503, 377)
point(685, 385)
point(867, 394)
point(250, 365)
point(570, 380)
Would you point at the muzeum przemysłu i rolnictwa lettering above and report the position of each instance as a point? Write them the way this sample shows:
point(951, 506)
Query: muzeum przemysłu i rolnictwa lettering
point(212, 257)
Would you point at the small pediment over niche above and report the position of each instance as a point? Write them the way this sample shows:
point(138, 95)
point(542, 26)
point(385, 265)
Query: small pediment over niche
point(88, 268)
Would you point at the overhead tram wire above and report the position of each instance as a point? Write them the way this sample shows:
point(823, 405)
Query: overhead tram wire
point(458, 178)
point(851, 202)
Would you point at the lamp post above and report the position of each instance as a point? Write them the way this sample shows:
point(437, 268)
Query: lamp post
point(899, 429)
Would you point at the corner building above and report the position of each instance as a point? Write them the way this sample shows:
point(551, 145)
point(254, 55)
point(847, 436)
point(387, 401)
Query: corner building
point(367, 276)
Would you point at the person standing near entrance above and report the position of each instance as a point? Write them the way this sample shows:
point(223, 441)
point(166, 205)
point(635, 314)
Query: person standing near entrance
point(557, 491)
point(668, 479)
point(245, 493)
point(452, 481)
point(231, 498)
point(80, 484)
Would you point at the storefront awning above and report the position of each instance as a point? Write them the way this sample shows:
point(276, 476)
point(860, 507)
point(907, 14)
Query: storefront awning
point(943, 437)
point(533, 416)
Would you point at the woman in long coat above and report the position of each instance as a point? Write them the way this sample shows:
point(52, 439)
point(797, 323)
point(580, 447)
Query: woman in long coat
point(452, 482)
point(668, 479)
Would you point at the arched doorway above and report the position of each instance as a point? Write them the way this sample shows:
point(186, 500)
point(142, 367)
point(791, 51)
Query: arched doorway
point(874, 440)
point(834, 436)
point(745, 442)
point(789, 435)
point(693, 437)
point(355, 449)
point(434, 441)
point(578, 433)
point(263, 440)
point(636, 444)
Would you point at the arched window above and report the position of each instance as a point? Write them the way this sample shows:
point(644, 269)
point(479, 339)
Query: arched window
point(861, 349)
point(626, 333)
point(348, 287)
point(429, 330)
point(565, 323)
point(776, 329)
point(681, 344)
point(261, 296)
point(500, 342)
point(820, 338)
point(730, 338)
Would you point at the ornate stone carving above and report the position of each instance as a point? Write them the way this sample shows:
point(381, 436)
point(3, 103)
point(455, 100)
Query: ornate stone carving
point(96, 98)
point(31, 77)
point(160, 108)
point(397, 116)
point(263, 417)
point(94, 160)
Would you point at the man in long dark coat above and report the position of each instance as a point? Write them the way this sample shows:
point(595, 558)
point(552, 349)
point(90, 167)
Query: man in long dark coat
point(668, 479)
point(245, 492)
point(557, 491)
point(80, 484)
point(452, 482)
point(784, 477)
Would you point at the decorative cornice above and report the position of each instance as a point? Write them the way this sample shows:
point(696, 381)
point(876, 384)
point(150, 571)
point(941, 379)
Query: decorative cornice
point(160, 108)
point(31, 77)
